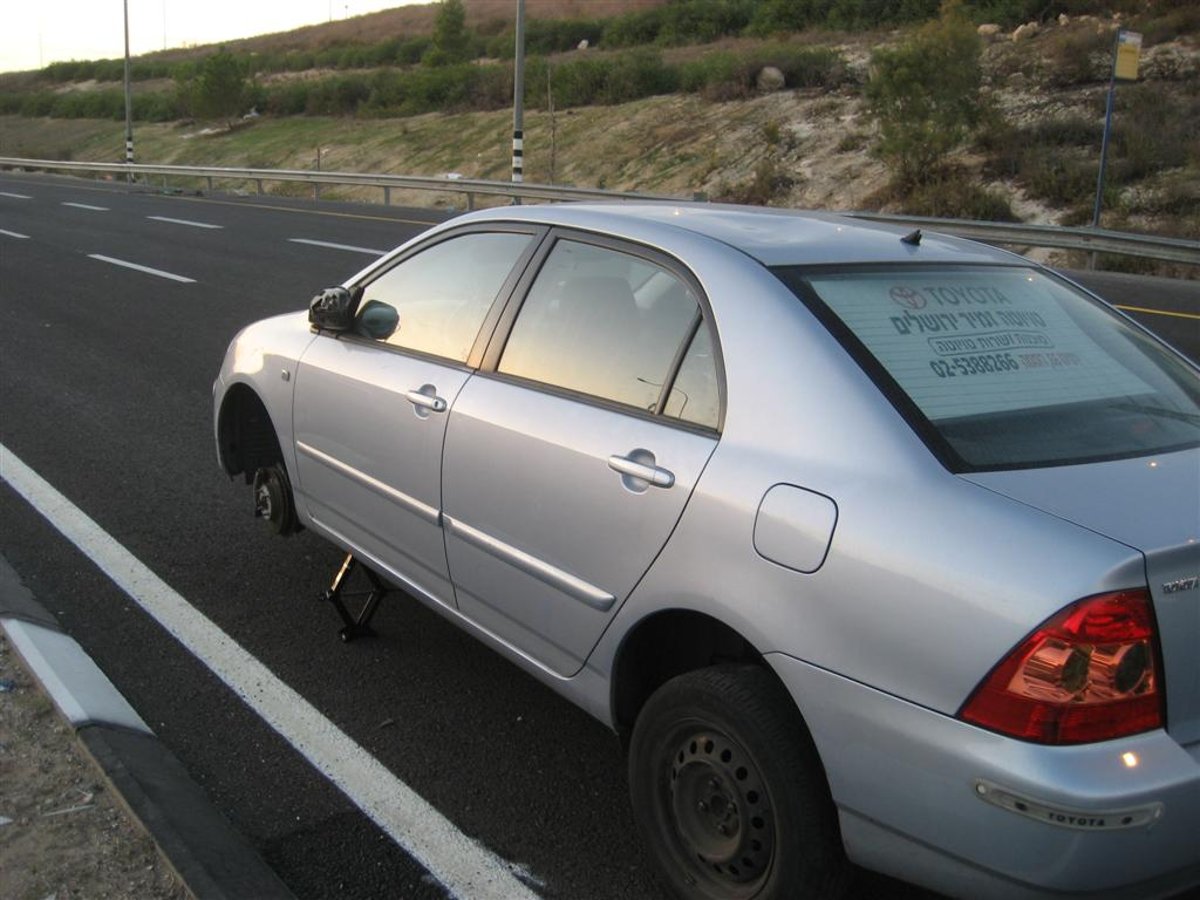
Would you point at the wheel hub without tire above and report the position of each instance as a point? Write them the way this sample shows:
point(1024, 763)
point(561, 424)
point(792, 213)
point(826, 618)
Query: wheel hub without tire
point(720, 809)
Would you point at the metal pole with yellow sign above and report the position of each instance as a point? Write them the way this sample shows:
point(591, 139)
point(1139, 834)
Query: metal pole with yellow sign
point(1125, 68)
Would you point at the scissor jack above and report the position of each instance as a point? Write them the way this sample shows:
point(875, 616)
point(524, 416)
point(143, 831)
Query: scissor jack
point(360, 625)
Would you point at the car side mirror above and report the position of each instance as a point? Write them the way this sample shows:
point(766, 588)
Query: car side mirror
point(377, 320)
point(332, 310)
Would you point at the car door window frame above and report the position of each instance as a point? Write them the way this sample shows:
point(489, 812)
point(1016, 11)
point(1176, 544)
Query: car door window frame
point(537, 235)
point(704, 319)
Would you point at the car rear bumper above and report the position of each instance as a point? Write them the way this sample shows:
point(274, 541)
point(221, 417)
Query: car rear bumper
point(967, 812)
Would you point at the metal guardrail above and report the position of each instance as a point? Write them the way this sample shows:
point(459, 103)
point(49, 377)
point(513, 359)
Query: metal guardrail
point(1050, 236)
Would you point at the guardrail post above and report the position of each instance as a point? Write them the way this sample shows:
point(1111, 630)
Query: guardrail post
point(470, 201)
point(316, 193)
point(210, 184)
point(258, 181)
point(387, 195)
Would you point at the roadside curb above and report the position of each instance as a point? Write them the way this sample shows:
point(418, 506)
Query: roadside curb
point(211, 859)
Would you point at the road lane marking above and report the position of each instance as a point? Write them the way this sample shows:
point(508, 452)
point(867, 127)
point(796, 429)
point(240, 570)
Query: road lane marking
point(86, 206)
point(310, 212)
point(13, 234)
point(183, 222)
point(1158, 312)
point(149, 271)
point(465, 868)
point(15, 196)
point(349, 247)
point(290, 209)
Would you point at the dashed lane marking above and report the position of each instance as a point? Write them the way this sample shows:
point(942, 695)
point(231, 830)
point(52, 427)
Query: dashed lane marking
point(13, 234)
point(349, 247)
point(86, 206)
point(15, 196)
point(184, 222)
point(139, 268)
point(465, 868)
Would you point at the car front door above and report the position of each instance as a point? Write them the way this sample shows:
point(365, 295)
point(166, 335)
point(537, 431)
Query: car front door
point(371, 405)
point(570, 458)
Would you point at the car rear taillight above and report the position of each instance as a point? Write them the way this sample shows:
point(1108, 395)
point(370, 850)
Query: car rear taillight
point(1090, 673)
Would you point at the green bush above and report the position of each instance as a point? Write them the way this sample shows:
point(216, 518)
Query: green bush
point(925, 96)
point(1059, 178)
point(730, 75)
point(958, 196)
point(1077, 56)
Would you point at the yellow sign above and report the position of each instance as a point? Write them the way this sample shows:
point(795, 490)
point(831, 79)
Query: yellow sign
point(1129, 47)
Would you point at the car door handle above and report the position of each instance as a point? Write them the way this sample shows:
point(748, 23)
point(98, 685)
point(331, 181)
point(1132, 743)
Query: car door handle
point(656, 475)
point(433, 403)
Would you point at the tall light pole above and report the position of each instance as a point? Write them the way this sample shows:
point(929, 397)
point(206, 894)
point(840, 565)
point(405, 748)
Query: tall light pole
point(518, 145)
point(128, 100)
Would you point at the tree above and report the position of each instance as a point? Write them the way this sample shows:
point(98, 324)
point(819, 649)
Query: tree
point(221, 88)
point(451, 42)
point(925, 96)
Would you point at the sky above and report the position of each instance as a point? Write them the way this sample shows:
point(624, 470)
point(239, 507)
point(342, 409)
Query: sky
point(36, 33)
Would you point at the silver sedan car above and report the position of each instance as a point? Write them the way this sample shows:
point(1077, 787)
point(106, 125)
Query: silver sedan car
point(874, 546)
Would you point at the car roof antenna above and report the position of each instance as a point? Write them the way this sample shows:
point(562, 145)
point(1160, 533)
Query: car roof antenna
point(913, 237)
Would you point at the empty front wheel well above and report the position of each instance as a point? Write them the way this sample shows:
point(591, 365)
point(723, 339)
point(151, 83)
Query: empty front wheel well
point(665, 645)
point(246, 435)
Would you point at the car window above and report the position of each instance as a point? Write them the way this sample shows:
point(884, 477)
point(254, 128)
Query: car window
point(695, 396)
point(602, 323)
point(434, 302)
point(1014, 368)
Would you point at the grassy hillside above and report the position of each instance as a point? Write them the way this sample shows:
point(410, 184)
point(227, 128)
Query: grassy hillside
point(1033, 155)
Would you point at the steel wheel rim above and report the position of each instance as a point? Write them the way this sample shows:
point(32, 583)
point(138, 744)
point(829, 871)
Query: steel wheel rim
point(719, 810)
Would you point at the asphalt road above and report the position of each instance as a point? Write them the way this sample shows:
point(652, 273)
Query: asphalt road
point(105, 390)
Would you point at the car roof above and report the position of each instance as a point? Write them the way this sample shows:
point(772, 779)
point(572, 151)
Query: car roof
point(774, 237)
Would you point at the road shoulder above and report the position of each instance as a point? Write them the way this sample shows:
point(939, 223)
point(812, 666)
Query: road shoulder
point(199, 845)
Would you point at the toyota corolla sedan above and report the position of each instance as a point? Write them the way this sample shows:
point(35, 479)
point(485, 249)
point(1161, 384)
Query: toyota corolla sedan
point(873, 545)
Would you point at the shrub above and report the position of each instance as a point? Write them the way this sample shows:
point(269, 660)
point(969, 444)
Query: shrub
point(287, 99)
point(958, 197)
point(1059, 178)
point(1078, 56)
point(639, 73)
point(726, 75)
point(925, 97)
point(768, 183)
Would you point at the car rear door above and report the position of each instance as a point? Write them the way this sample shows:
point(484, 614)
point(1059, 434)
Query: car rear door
point(371, 406)
point(570, 457)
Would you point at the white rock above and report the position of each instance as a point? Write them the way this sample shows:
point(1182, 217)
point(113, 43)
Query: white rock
point(989, 30)
point(770, 79)
point(1026, 31)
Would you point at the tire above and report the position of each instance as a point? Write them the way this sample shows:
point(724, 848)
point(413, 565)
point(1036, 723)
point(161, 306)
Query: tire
point(729, 792)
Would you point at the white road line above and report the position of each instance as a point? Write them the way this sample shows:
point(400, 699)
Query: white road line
point(338, 246)
point(15, 196)
point(87, 206)
point(13, 234)
point(183, 222)
point(464, 868)
point(129, 265)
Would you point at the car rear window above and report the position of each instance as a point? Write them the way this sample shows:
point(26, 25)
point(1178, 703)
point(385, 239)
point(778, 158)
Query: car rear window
point(1008, 367)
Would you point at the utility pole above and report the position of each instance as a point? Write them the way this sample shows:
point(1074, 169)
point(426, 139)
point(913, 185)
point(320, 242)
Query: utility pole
point(128, 101)
point(518, 143)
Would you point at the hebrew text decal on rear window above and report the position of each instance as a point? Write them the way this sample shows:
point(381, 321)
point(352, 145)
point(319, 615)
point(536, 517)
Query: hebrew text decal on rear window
point(965, 343)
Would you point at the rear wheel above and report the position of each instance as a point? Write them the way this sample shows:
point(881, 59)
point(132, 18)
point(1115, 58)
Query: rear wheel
point(729, 792)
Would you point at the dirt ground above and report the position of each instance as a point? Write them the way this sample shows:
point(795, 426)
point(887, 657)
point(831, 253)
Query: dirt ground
point(64, 835)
